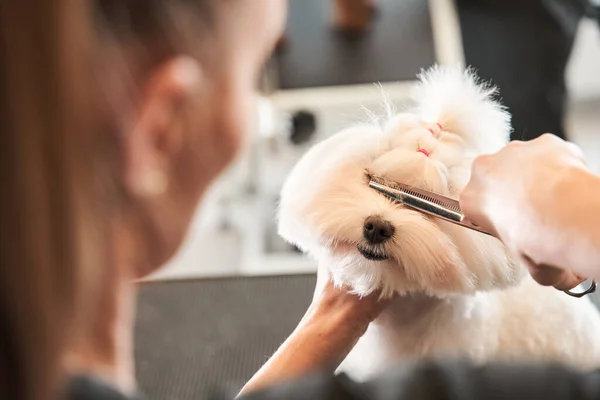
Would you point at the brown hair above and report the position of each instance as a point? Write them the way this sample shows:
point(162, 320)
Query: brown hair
point(43, 110)
point(56, 156)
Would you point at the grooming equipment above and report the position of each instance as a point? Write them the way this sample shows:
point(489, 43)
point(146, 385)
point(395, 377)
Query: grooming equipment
point(427, 202)
point(438, 206)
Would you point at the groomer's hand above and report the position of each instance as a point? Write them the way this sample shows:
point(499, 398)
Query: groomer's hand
point(332, 325)
point(351, 312)
point(521, 193)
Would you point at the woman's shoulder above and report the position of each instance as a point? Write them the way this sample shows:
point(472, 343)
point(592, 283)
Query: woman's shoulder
point(456, 380)
point(85, 387)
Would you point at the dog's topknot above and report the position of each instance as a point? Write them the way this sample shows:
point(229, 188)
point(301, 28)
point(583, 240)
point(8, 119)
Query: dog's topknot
point(464, 105)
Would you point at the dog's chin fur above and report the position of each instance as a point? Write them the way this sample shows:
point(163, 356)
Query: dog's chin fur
point(445, 274)
point(326, 199)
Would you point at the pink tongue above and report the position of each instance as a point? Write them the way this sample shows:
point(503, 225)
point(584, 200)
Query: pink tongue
point(424, 152)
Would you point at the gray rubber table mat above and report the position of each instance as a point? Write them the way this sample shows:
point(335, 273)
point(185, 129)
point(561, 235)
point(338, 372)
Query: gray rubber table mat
point(204, 339)
point(399, 44)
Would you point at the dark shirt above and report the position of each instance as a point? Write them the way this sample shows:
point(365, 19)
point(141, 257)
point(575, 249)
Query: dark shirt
point(89, 388)
point(439, 381)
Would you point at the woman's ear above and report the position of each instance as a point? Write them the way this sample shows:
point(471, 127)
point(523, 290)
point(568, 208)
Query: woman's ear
point(155, 137)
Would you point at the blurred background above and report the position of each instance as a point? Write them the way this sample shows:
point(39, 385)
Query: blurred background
point(215, 313)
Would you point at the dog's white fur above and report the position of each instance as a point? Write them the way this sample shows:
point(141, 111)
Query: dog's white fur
point(461, 293)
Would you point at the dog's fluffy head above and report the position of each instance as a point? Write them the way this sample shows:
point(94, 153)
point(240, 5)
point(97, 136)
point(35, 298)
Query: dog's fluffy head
point(368, 242)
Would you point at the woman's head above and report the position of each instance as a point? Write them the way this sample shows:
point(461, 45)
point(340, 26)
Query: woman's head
point(115, 117)
point(179, 79)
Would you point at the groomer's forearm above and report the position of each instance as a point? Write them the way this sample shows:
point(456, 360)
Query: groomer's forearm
point(320, 342)
point(570, 228)
point(581, 199)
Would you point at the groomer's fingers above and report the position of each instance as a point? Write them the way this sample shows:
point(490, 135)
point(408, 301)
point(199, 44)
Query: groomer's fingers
point(551, 276)
point(547, 275)
point(568, 281)
point(470, 204)
point(481, 167)
point(578, 152)
point(575, 150)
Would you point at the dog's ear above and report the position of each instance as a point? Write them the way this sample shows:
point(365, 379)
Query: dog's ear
point(464, 105)
point(300, 195)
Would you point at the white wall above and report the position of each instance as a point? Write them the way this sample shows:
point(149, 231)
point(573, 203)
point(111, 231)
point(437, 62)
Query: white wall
point(583, 72)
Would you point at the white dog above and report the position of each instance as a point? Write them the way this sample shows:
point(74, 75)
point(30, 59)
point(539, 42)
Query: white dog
point(461, 293)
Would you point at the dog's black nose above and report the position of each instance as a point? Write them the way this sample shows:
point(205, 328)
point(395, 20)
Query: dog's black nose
point(377, 230)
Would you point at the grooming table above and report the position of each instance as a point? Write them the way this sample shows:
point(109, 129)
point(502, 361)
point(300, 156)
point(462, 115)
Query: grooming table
point(200, 339)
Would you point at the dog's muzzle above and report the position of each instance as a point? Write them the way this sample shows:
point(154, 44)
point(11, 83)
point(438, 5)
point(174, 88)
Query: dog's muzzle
point(371, 254)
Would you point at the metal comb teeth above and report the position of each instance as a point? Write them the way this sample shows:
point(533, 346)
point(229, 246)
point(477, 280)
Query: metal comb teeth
point(423, 200)
point(409, 190)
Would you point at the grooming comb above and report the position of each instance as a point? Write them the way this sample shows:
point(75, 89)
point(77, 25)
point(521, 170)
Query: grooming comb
point(427, 202)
